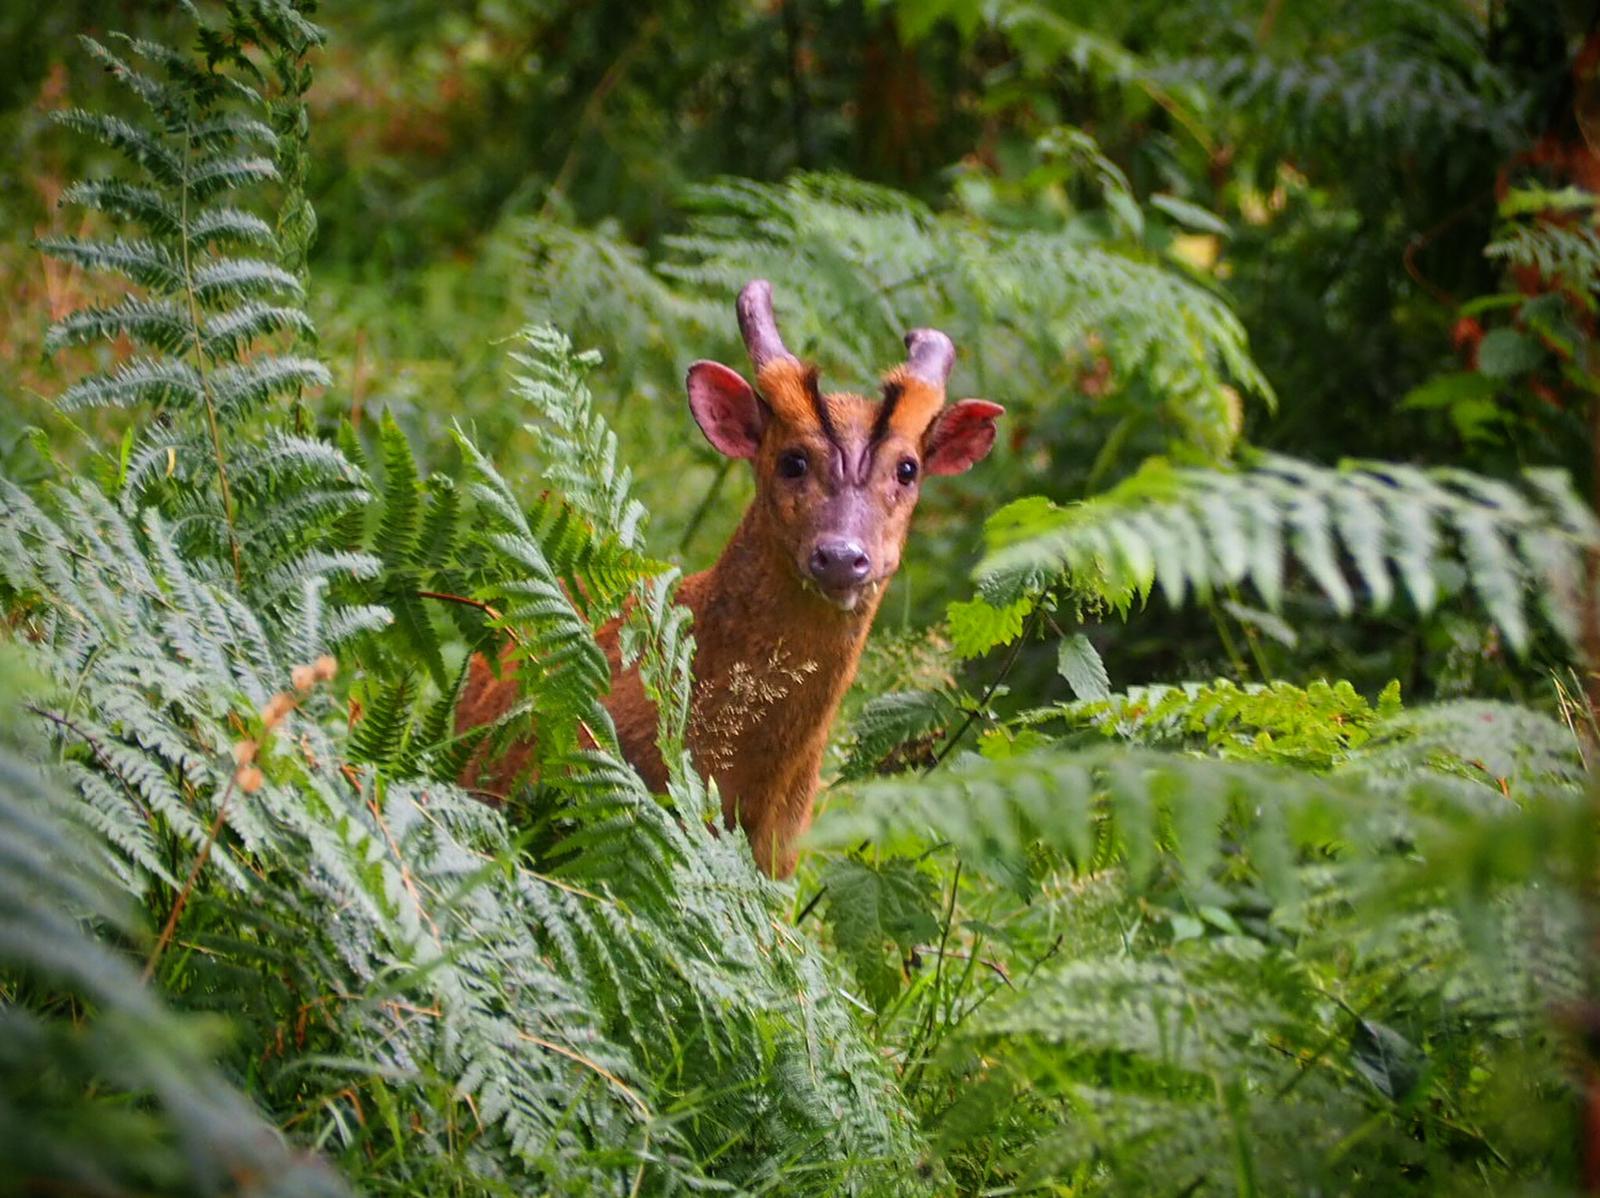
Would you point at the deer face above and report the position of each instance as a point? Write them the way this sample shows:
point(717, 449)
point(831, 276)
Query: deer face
point(838, 475)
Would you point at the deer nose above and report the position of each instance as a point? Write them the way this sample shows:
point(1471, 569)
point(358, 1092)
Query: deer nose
point(838, 564)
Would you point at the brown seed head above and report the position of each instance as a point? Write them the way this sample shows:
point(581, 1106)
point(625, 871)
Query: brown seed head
point(280, 705)
point(249, 779)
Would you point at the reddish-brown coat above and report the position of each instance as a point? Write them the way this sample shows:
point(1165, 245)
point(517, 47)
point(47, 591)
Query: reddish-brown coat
point(781, 619)
point(773, 660)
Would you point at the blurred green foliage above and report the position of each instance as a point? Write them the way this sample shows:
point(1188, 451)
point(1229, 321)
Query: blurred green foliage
point(1330, 173)
point(1163, 890)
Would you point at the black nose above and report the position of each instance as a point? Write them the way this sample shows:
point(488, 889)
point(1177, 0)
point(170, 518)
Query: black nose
point(839, 564)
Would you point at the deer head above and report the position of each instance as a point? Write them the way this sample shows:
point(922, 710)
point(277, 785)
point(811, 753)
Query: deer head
point(837, 475)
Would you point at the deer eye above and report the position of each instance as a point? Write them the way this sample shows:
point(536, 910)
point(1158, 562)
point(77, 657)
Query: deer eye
point(906, 472)
point(792, 464)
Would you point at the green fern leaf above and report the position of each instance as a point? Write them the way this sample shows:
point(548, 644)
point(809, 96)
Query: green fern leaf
point(155, 381)
point(379, 736)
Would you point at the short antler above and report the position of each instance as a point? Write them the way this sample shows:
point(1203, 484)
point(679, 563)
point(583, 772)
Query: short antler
point(759, 326)
point(929, 356)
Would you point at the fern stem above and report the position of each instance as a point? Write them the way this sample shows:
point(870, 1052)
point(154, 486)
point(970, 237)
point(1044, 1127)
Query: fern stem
point(623, 1088)
point(100, 755)
point(933, 991)
point(200, 860)
point(706, 502)
point(445, 596)
point(77, 689)
point(988, 693)
point(1232, 650)
point(492, 612)
point(591, 110)
point(1252, 638)
point(200, 359)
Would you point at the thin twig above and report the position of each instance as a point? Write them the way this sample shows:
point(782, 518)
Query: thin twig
point(188, 885)
point(591, 109)
point(1420, 241)
point(200, 365)
point(571, 1055)
point(999, 969)
point(938, 968)
point(100, 755)
point(492, 612)
point(994, 685)
point(810, 906)
point(706, 503)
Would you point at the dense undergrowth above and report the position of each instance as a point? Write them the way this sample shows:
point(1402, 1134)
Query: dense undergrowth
point(1252, 925)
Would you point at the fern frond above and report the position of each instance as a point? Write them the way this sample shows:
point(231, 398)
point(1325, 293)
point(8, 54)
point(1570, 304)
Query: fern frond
point(141, 148)
point(1563, 251)
point(202, 308)
point(225, 334)
point(561, 651)
point(117, 197)
point(1149, 803)
point(157, 324)
point(1410, 98)
point(143, 262)
point(864, 263)
point(1188, 530)
point(580, 451)
point(892, 729)
point(400, 522)
point(103, 1087)
point(379, 737)
point(155, 381)
point(243, 389)
point(241, 278)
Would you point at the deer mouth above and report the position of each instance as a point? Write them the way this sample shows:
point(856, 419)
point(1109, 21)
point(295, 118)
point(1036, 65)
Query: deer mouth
point(846, 598)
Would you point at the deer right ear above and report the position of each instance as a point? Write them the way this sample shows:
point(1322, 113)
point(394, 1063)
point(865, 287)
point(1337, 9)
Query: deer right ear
point(726, 408)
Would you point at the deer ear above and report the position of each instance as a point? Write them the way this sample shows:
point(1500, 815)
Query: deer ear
point(959, 436)
point(726, 408)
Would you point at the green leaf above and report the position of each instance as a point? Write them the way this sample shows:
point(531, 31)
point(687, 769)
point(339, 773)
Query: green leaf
point(1190, 215)
point(400, 524)
point(878, 914)
point(1447, 390)
point(976, 627)
point(1386, 1059)
point(1266, 622)
point(1504, 353)
point(1080, 665)
point(889, 722)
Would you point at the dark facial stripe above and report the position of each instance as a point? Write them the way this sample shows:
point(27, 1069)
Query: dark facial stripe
point(820, 406)
point(891, 398)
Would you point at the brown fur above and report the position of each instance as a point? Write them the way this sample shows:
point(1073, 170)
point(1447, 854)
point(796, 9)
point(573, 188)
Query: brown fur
point(774, 655)
point(773, 659)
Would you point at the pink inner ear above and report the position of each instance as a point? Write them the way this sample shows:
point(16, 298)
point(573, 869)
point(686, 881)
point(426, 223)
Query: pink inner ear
point(726, 409)
point(960, 436)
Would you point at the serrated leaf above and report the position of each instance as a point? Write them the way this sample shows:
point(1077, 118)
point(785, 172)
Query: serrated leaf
point(976, 627)
point(873, 910)
point(889, 721)
point(1080, 665)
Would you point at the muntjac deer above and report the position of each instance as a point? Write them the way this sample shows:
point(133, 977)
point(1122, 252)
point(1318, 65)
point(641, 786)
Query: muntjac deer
point(781, 619)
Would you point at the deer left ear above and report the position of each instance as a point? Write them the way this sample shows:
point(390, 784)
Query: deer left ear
point(960, 436)
point(726, 408)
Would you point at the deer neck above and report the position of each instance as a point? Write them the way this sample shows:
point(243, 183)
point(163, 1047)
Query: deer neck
point(767, 640)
